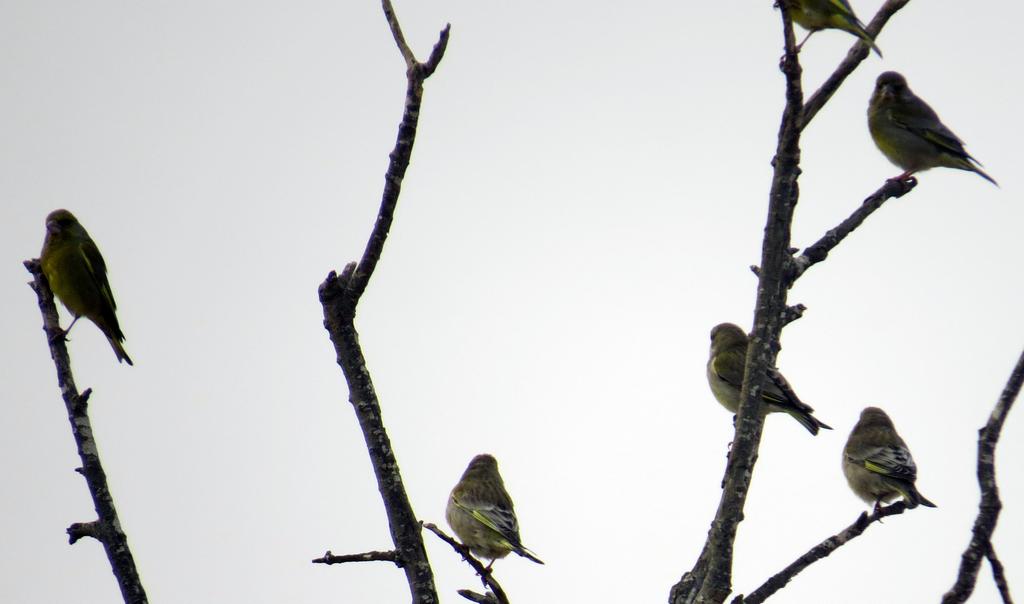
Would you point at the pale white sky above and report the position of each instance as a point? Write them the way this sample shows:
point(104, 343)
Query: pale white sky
point(587, 191)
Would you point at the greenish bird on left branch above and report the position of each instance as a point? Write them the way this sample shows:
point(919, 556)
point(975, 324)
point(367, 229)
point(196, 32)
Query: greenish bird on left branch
point(77, 275)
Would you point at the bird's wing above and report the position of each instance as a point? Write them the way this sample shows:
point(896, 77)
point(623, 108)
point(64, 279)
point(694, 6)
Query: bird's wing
point(843, 7)
point(921, 119)
point(728, 366)
point(98, 270)
point(497, 517)
point(894, 461)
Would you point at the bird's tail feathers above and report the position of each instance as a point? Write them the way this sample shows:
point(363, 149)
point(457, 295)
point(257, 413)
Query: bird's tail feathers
point(119, 351)
point(971, 164)
point(522, 551)
point(808, 421)
point(855, 27)
point(913, 497)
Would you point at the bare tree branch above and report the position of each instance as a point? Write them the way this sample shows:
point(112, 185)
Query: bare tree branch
point(858, 53)
point(710, 579)
point(988, 510)
point(768, 319)
point(472, 596)
point(486, 574)
point(339, 296)
point(998, 574)
point(820, 250)
point(107, 528)
point(329, 558)
point(823, 549)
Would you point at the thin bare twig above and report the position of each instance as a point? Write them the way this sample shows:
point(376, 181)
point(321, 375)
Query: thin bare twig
point(485, 574)
point(821, 248)
point(823, 549)
point(998, 574)
point(988, 510)
point(329, 558)
point(854, 57)
point(107, 528)
point(340, 295)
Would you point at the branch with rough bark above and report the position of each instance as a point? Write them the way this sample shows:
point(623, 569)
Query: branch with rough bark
point(106, 528)
point(988, 510)
point(820, 249)
point(329, 558)
point(339, 296)
point(497, 594)
point(716, 560)
point(823, 549)
point(710, 579)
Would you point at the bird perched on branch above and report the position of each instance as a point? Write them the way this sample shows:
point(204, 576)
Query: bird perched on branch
point(909, 132)
point(725, 376)
point(816, 15)
point(877, 463)
point(480, 512)
point(77, 275)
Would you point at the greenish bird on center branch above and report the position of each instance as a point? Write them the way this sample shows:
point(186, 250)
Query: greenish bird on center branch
point(725, 376)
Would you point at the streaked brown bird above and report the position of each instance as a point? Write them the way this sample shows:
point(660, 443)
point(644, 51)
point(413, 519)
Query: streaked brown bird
point(877, 463)
point(480, 512)
point(77, 275)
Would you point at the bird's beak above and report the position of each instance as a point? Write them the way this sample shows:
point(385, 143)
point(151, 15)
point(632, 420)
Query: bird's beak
point(52, 227)
point(886, 93)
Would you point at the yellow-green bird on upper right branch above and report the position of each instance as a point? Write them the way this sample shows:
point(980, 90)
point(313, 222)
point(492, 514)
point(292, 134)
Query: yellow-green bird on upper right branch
point(910, 134)
point(816, 15)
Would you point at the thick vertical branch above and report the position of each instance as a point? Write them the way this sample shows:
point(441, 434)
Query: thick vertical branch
point(980, 546)
point(107, 528)
point(763, 348)
point(340, 296)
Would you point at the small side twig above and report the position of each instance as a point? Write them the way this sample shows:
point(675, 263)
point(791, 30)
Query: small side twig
point(472, 596)
point(821, 248)
point(823, 549)
point(375, 556)
point(998, 575)
point(107, 528)
point(988, 510)
point(854, 57)
point(486, 576)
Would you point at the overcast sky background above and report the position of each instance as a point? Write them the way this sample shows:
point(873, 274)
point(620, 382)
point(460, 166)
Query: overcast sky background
point(588, 188)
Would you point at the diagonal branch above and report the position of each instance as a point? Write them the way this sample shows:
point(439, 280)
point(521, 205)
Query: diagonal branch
point(107, 529)
point(988, 510)
point(998, 574)
point(820, 250)
point(858, 53)
point(497, 594)
point(339, 296)
point(823, 549)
